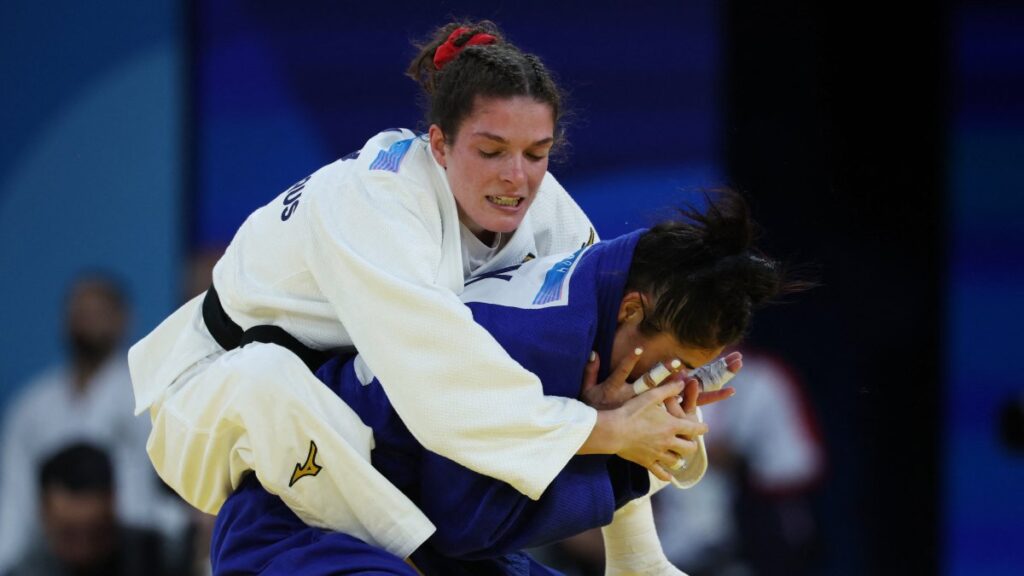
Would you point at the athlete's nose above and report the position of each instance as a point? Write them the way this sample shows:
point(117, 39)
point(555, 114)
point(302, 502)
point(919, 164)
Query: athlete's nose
point(514, 172)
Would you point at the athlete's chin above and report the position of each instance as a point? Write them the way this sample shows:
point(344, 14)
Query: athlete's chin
point(503, 220)
point(504, 223)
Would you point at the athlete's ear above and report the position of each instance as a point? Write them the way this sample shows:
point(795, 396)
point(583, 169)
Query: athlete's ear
point(631, 309)
point(437, 144)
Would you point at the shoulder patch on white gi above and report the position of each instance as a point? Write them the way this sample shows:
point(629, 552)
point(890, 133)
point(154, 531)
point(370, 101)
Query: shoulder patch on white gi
point(537, 283)
point(391, 159)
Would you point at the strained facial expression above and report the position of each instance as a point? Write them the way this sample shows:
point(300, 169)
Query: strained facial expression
point(497, 161)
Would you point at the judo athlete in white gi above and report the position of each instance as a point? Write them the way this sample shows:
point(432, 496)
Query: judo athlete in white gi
point(371, 252)
point(679, 291)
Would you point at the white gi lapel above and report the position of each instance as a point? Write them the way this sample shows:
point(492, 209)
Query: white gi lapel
point(449, 273)
point(520, 247)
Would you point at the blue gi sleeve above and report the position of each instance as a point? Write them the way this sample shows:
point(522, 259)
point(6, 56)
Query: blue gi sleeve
point(480, 517)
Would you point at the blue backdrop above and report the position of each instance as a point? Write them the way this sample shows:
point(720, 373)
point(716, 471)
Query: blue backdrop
point(282, 90)
point(984, 489)
point(90, 165)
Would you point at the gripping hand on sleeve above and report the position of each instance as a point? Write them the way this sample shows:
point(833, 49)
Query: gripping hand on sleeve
point(639, 429)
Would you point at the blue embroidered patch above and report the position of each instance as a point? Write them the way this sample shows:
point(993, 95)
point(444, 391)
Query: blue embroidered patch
point(551, 290)
point(391, 158)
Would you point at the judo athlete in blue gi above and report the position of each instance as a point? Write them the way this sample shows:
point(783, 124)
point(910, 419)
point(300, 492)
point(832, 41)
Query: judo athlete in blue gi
point(680, 290)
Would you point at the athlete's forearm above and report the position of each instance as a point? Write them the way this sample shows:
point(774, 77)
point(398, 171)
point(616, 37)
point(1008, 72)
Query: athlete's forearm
point(460, 395)
point(606, 436)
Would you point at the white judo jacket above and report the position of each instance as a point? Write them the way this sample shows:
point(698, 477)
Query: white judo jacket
point(366, 252)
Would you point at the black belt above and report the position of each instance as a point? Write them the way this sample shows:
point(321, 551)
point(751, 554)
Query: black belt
point(230, 335)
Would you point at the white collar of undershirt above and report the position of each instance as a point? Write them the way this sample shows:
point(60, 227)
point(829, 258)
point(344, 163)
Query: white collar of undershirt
point(475, 253)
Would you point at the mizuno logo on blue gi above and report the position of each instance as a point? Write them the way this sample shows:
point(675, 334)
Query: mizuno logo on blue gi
point(391, 158)
point(554, 280)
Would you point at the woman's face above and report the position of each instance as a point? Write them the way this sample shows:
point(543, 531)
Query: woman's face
point(659, 347)
point(497, 161)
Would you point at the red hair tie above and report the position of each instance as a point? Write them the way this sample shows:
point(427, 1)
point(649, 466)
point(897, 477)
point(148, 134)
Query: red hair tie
point(447, 51)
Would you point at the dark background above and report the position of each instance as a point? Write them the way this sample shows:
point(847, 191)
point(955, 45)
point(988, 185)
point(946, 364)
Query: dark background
point(835, 126)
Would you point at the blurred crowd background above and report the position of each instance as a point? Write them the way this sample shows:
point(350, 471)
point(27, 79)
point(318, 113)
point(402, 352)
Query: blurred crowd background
point(879, 422)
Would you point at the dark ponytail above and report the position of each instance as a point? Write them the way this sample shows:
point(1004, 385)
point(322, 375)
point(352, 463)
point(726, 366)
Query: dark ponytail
point(703, 274)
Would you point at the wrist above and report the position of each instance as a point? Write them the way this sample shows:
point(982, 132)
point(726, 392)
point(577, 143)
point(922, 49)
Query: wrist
point(605, 437)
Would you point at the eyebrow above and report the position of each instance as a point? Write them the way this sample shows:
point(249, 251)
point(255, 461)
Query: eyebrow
point(497, 138)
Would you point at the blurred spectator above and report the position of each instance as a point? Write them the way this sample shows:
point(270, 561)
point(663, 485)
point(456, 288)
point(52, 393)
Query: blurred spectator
point(751, 514)
point(82, 534)
point(88, 398)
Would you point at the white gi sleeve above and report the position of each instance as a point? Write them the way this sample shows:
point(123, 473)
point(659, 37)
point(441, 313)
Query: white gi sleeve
point(376, 260)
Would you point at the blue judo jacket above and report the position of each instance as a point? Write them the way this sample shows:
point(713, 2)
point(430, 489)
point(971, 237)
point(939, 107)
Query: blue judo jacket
point(549, 314)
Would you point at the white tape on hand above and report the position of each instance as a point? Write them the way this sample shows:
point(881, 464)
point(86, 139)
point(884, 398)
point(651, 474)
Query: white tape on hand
point(651, 380)
point(713, 376)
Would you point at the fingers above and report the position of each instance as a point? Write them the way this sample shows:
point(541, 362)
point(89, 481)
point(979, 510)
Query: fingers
point(734, 362)
point(659, 472)
point(590, 371)
point(687, 428)
point(625, 368)
point(705, 398)
point(675, 457)
point(654, 433)
point(679, 464)
point(674, 405)
point(674, 461)
point(663, 392)
point(690, 393)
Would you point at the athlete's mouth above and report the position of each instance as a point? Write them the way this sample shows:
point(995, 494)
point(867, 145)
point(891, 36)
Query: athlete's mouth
point(510, 201)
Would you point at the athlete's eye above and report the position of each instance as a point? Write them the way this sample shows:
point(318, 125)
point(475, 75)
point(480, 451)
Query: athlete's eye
point(487, 154)
point(535, 157)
